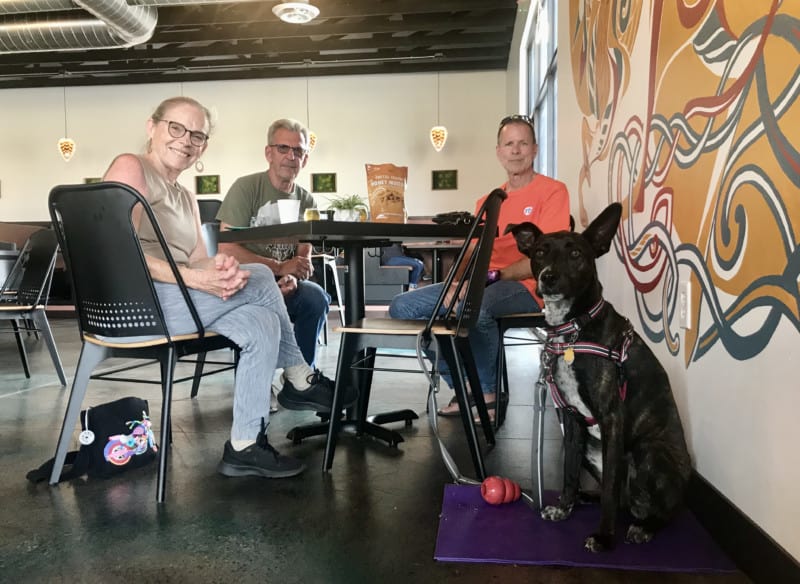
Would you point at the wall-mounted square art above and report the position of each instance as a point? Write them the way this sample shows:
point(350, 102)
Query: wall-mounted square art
point(443, 180)
point(324, 182)
point(207, 184)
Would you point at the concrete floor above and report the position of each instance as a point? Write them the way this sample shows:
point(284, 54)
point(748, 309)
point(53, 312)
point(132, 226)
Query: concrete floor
point(373, 518)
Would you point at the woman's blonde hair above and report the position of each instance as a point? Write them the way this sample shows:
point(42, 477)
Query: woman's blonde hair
point(171, 102)
point(168, 104)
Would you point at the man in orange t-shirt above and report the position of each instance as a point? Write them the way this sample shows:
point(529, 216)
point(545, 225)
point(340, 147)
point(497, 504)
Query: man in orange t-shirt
point(531, 197)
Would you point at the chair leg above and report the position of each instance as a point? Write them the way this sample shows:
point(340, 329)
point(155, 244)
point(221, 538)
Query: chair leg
point(91, 356)
point(347, 350)
point(537, 462)
point(332, 265)
point(198, 373)
point(471, 371)
point(23, 354)
point(501, 379)
point(168, 361)
point(451, 349)
point(364, 380)
point(42, 324)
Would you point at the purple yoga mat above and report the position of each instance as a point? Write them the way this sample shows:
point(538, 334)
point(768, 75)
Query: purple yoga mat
point(471, 530)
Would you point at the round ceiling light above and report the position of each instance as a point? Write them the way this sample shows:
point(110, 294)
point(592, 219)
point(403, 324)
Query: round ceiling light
point(295, 12)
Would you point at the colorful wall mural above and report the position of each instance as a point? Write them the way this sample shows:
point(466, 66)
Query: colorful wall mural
point(691, 120)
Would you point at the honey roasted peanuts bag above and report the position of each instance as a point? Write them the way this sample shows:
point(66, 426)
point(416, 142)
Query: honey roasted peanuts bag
point(386, 188)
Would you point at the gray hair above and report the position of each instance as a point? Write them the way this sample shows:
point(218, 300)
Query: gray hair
point(168, 104)
point(287, 124)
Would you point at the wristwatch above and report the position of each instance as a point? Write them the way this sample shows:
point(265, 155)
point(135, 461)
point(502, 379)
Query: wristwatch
point(492, 276)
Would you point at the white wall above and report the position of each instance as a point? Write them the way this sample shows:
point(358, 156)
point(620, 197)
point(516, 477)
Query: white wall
point(358, 119)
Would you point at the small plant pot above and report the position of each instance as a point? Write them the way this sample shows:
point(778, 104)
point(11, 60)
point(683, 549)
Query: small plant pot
point(348, 215)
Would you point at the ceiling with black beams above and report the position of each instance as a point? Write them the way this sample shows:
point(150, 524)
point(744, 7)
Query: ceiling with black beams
point(245, 40)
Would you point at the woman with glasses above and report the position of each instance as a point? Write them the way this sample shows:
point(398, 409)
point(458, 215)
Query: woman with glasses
point(242, 303)
point(510, 285)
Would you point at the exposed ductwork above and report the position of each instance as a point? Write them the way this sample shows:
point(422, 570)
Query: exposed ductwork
point(117, 24)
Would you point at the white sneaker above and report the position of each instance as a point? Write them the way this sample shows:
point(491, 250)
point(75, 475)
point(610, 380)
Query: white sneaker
point(273, 398)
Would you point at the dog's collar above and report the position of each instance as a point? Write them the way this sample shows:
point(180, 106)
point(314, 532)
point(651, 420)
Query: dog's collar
point(576, 324)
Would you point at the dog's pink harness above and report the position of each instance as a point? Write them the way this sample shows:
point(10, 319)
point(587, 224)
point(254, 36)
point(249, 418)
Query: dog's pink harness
point(573, 328)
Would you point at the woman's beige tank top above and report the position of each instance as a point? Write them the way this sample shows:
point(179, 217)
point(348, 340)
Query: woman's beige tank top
point(173, 207)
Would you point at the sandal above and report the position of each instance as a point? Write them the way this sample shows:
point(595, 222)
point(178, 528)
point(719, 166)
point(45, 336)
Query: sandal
point(451, 409)
point(491, 409)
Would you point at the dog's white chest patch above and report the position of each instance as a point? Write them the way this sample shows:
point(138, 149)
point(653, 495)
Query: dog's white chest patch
point(567, 384)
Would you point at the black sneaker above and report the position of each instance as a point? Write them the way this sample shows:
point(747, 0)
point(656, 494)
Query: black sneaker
point(259, 459)
point(317, 398)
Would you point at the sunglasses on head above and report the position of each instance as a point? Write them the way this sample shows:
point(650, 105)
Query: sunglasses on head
point(518, 118)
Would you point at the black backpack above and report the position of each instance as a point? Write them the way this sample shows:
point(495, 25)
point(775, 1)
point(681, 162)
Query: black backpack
point(115, 437)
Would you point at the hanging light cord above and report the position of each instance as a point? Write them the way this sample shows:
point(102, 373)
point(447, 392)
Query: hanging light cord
point(438, 99)
point(66, 135)
point(308, 107)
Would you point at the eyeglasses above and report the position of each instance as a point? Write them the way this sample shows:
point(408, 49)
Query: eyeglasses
point(177, 130)
point(298, 151)
point(517, 118)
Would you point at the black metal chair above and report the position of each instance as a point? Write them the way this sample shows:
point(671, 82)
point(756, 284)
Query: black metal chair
point(118, 310)
point(526, 320)
point(360, 341)
point(24, 295)
point(208, 209)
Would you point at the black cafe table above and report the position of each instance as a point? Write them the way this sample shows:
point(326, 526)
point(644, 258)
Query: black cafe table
point(353, 238)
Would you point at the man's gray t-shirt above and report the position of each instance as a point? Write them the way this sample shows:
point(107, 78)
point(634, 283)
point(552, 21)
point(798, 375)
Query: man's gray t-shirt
point(250, 193)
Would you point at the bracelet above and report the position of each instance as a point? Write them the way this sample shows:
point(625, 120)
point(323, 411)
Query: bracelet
point(492, 276)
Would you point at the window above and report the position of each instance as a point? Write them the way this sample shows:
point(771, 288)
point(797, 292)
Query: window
point(542, 51)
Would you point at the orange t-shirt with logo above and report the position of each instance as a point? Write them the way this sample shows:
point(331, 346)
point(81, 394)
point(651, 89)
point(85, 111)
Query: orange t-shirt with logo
point(544, 202)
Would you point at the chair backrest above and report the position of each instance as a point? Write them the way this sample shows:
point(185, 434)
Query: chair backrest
point(208, 209)
point(32, 274)
point(471, 266)
point(114, 293)
point(210, 233)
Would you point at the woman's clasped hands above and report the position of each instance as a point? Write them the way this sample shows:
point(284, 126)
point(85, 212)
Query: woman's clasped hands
point(220, 276)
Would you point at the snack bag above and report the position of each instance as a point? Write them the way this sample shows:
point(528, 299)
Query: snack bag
point(386, 188)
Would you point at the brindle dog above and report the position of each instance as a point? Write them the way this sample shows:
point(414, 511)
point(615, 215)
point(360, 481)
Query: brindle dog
point(619, 416)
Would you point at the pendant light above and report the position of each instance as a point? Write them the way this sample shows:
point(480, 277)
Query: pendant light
point(312, 137)
point(438, 132)
point(66, 146)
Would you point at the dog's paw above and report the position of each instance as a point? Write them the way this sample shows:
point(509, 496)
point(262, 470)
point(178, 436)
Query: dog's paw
point(598, 542)
point(556, 513)
point(638, 534)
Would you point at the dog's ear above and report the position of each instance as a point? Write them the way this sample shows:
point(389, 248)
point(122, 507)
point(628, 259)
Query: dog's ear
point(525, 234)
point(601, 231)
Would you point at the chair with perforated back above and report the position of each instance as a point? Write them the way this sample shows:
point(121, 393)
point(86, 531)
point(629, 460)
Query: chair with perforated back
point(115, 298)
point(450, 328)
point(24, 295)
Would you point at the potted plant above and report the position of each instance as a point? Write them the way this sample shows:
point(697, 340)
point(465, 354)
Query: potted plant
point(349, 208)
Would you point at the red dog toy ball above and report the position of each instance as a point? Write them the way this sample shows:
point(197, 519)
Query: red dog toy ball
point(496, 490)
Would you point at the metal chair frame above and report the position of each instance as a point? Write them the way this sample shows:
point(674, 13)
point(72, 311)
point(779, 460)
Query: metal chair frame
point(118, 310)
point(449, 325)
point(25, 292)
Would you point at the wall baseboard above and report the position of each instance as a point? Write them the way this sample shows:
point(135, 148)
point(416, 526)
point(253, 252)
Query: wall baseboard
point(753, 551)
